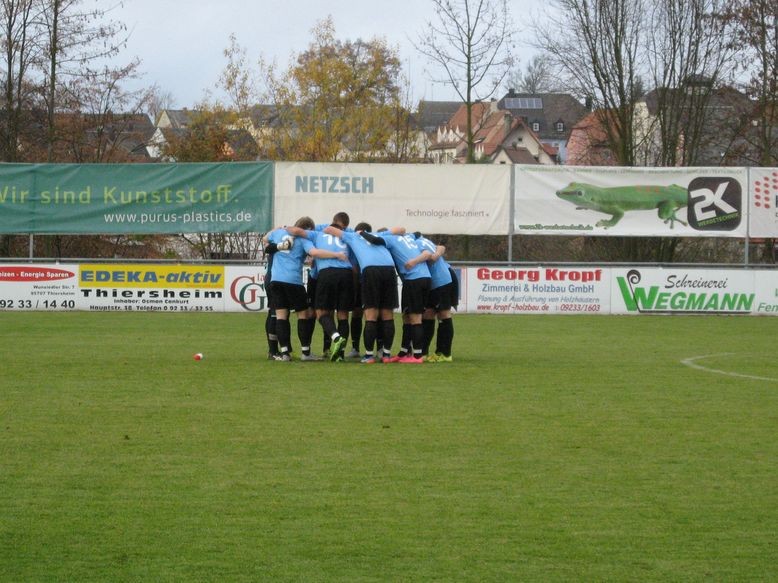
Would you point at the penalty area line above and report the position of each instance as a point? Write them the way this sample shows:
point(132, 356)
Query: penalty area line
point(691, 363)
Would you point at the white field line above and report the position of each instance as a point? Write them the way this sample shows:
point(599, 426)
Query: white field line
point(690, 362)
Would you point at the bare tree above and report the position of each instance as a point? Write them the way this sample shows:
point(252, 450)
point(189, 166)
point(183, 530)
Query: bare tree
point(688, 60)
point(158, 100)
point(754, 24)
point(537, 77)
point(74, 38)
point(470, 43)
point(101, 116)
point(17, 35)
point(599, 54)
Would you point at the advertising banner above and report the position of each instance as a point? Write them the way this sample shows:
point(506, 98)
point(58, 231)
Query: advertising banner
point(150, 288)
point(245, 289)
point(763, 215)
point(133, 287)
point(766, 293)
point(536, 290)
point(136, 198)
point(683, 291)
point(461, 199)
point(514, 290)
point(656, 202)
point(41, 287)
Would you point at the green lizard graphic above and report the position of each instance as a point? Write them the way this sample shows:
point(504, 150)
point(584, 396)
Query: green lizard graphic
point(616, 200)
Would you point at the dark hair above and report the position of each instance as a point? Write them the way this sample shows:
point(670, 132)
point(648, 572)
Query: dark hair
point(341, 219)
point(363, 227)
point(305, 223)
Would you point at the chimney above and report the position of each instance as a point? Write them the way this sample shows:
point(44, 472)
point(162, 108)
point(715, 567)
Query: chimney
point(508, 122)
point(589, 102)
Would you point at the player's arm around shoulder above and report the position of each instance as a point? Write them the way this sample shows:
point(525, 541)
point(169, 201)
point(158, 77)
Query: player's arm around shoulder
point(420, 258)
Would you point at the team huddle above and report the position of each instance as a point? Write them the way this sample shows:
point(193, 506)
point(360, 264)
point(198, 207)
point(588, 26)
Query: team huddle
point(353, 275)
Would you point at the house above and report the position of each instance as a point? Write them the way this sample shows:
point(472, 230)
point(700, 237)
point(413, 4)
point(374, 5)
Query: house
point(723, 118)
point(175, 125)
point(588, 142)
point(498, 137)
point(727, 128)
point(174, 118)
point(430, 115)
point(104, 137)
point(551, 116)
point(447, 144)
point(163, 136)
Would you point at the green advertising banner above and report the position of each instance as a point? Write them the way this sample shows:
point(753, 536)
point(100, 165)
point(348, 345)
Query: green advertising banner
point(233, 197)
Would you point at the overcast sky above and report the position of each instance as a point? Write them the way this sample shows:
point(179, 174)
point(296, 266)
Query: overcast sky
point(181, 42)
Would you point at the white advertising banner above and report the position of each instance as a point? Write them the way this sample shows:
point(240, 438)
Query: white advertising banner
point(245, 289)
point(450, 199)
point(617, 201)
point(535, 290)
point(133, 287)
point(654, 290)
point(137, 287)
point(763, 206)
point(766, 293)
point(38, 287)
point(483, 289)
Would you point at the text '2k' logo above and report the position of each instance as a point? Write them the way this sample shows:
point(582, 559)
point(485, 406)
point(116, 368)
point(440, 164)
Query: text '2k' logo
point(715, 204)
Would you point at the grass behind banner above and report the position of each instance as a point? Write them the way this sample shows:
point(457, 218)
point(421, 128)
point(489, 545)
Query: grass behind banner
point(553, 448)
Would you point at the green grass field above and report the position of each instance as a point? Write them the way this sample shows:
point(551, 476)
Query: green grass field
point(553, 449)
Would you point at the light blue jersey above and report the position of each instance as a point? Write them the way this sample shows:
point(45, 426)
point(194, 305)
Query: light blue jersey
point(367, 254)
point(322, 240)
point(404, 248)
point(288, 265)
point(439, 270)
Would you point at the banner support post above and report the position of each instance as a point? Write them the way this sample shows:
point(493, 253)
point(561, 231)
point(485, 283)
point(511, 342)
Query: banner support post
point(511, 210)
point(748, 223)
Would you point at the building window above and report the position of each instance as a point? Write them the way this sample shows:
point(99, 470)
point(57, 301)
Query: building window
point(560, 126)
point(535, 126)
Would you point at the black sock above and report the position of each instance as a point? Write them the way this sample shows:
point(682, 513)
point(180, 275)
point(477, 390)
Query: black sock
point(270, 332)
point(305, 333)
point(284, 332)
point(417, 335)
point(343, 328)
point(405, 343)
point(429, 332)
point(445, 336)
point(328, 324)
point(356, 331)
point(379, 335)
point(370, 334)
point(387, 330)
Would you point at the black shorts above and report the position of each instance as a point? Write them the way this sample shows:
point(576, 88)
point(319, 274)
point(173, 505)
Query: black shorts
point(335, 289)
point(415, 295)
point(269, 296)
point(379, 288)
point(444, 297)
point(288, 296)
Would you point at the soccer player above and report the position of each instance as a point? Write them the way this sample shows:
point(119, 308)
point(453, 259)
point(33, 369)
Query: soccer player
point(379, 289)
point(270, 322)
point(340, 220)
point(444, 295)
point(411, 262)
point(287, 292)
point(334, 288)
